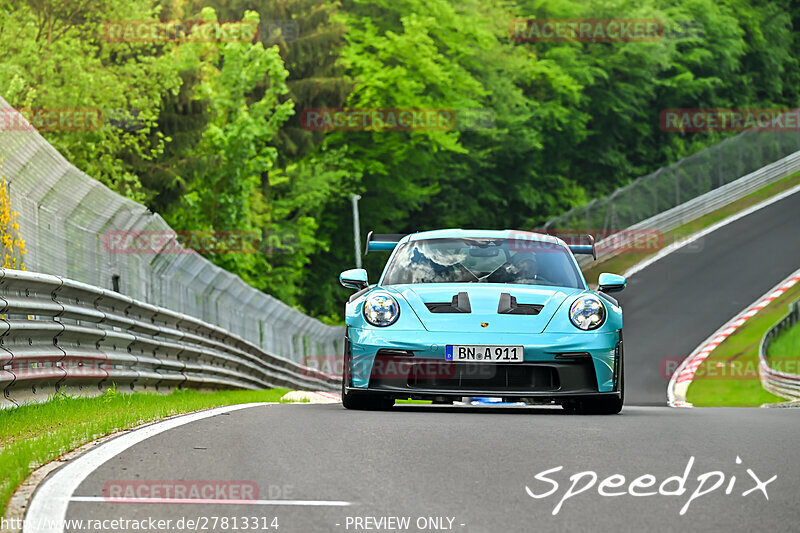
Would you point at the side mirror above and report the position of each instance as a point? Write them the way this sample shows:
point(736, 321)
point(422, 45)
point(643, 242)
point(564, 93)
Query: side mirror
point(355, 278)
point(611, 282)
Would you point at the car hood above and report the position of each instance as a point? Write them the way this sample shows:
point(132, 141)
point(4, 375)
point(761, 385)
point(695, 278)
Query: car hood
point(484, 300)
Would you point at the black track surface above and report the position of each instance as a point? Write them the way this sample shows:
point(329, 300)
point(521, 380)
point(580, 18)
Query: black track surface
point(473, 464)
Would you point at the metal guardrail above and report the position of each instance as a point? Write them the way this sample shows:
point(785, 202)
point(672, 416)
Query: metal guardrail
point(57, 333)
point(69, 220)
point(702, 205)
point(783, 384)
point(684, 180)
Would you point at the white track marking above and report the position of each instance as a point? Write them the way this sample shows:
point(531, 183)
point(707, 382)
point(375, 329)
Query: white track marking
point(702, 233)
point(184, 501)
point(48, 507)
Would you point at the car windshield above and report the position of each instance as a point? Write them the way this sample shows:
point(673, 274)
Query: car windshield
point(483, 260)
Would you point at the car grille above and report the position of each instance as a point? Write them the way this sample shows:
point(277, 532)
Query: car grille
point(410, 374)
point(468, 376)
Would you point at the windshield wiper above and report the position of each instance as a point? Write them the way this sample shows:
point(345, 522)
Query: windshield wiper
point(492, 272)
point(468, 270)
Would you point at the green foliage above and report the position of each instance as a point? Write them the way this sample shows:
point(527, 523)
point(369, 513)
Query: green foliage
point(218, 142)
point(232, 184)
point(574, 120)
point(54, 57)
point(233, 152)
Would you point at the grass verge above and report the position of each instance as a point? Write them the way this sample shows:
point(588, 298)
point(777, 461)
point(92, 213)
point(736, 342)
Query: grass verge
point(620, 263)
point(34, 434)
point(784, 351)
point(729, 377)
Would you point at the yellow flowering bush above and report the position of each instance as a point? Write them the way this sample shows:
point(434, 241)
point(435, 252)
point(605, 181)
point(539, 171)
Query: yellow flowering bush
point(13, 247)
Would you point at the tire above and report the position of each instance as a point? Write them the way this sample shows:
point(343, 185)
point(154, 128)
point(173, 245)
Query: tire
point(602, 406)
point(360, 401)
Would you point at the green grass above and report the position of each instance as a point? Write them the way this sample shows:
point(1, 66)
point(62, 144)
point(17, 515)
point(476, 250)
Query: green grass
point(618, 264)
point(34, 434)
point(729, 377)
point(784, 351)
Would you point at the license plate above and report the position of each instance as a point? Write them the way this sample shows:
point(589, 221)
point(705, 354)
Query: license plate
point(484, 354)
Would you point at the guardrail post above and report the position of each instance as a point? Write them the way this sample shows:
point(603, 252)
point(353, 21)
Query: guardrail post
point(677, 187)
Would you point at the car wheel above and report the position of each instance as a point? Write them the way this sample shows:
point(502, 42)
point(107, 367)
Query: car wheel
point(360, 401)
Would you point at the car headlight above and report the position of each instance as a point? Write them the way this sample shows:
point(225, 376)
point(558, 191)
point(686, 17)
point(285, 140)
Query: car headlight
point(381, 310)
point(587, 312)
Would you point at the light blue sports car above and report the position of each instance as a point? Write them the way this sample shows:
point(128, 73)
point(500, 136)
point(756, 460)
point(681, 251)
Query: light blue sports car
point(482, 313)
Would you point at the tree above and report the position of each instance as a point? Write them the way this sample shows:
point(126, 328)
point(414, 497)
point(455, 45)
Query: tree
point(55, 57)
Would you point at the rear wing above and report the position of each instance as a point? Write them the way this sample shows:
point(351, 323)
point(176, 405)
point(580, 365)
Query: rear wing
point(382, 242)
point(584, 248)
point(386, 242)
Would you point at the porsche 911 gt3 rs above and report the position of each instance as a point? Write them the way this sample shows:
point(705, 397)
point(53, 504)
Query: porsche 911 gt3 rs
point(482, 313)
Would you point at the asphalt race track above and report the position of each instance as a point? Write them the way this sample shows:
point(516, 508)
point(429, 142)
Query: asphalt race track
point(677, 302)
point(467, 469)
point(472, 464)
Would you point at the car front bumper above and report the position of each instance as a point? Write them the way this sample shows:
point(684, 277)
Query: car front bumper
point(412, 364)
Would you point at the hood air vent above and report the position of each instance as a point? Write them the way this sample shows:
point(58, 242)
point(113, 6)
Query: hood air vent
point(460, 304)
point(509, 306)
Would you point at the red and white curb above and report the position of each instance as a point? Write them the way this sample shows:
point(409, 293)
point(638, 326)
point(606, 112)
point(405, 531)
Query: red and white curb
point(311, 397)
point(684, 374)
point(334, 398)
